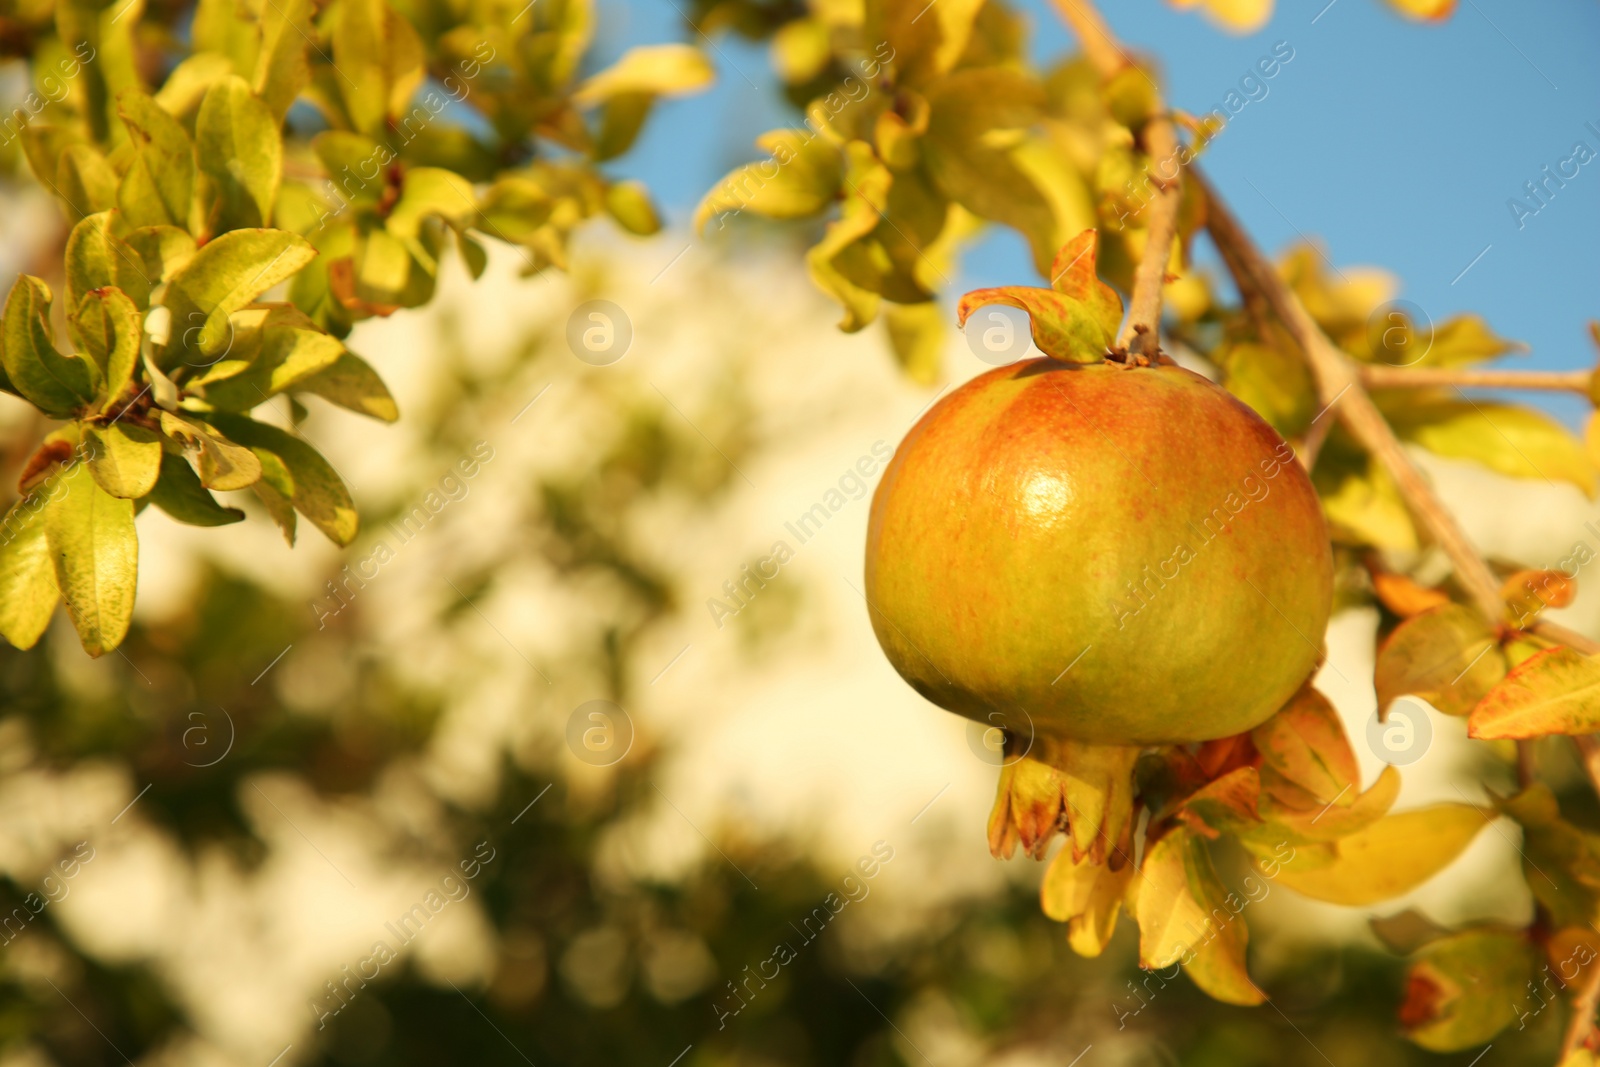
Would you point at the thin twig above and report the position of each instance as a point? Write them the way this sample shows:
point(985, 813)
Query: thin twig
point(1381, 377)
point(1339, 379)
point(1141, 333)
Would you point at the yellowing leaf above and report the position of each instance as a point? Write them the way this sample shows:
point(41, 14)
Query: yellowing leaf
point(351, 383)
point(1560, 862)
point(1404, 596)
point(28, 591)
point(1517, 441)
point(663, 69)
point(802, 178)
point(1186, 916)
point(124, 459)
point(917, 334)
point(1556, 691)
point(1076, 320)
point(241, 151)
point(1429, 10)
point(381, 61)
point(1448, 656)
point(158, 188)
point(56, 384)
point(318, 493)
point(1236, 16)
point(1304, 747)
point(110, 332)
point(1332, 822)
point(96, 553)
point(223, 277)
point(180, 494)
point(1392, 856)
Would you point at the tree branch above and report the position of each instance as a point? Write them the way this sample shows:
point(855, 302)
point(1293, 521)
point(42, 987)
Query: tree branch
point(1339, 386)
point(1382, 377)
point(1581, 1025)
point(1141, 335)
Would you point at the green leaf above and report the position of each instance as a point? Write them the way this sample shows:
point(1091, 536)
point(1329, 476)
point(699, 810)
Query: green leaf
point(223, 277)
point(1392, 856)
point(978, 117)
point(380, 60)
point(276, 490)
point(1556, 691)
point(28, 591)
point(86, 181)
point(281, 67)
point(240, 150)
point(621, 118)
point(629, 203)
point(317, 491)
point(803, 178)
point(110, 331)
point(180, 494)
point(163, 250)
point(125, 460)
point(351, 383)
point(663, 69)
point(96, 258)
point(917, 334)
point(1560, 862)
point(1187, 916)
point(96, 553)
point(1272, 379)
point(1459, 988)
point(1448, 656)
point(158, 187)
point(56, 384)
point(845, 264)
point(1075, 321)
point(289, 348)
point(1512, 440)
point(348, 158)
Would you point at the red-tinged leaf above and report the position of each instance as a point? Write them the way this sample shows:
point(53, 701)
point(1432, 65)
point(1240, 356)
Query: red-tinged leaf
point(1447, 656)
point(1458, 989)
point(1226, 805)
point(1076, 320)
point(1529, 592)
point(1304, 747)
point(1335, 821)
point(1404, 596)
point(1556, 691)
point(1392, 856)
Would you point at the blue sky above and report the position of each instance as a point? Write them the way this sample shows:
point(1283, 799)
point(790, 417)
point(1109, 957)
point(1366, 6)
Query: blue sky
point(1397, 145)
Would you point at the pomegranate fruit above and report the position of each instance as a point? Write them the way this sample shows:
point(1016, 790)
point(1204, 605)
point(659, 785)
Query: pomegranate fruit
point(1102, 553)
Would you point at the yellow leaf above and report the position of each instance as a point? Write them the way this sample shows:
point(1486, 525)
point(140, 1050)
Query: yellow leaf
point(662, 69)
point(1186, 916)
point(1427, 10)
point(1556, 691)
point(1447, 656)
point(1236, 16)
point(1304, 746)
point(1392, 856)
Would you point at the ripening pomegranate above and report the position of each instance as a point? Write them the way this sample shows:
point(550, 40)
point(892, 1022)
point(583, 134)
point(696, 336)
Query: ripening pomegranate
point(1122, 555)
